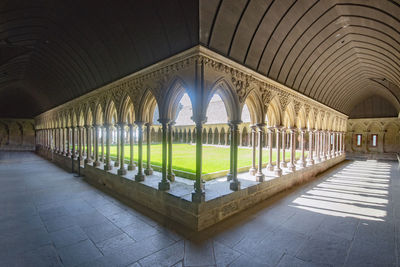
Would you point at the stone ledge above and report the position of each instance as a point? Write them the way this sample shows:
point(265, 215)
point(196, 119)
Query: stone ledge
point(176, 204)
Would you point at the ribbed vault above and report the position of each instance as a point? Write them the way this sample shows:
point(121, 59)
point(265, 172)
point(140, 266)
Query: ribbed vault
point(337, 52)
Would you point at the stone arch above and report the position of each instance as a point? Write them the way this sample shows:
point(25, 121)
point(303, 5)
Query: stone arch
point(301, 119)
point(244, 137)
point(110, 114)
point(222, 136)
point(255, 106)
point(392, 138)
point(311, 119)
point(318, 122)
point(147, 106)
point(289, 116)
point(273, 116)
point(99, 115)
point(126, 112)
point(216, 136)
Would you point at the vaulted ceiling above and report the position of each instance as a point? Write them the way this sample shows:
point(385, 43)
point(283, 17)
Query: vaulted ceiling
point(337, 52)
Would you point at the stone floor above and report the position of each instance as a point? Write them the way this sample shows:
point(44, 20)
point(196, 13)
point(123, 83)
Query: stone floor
point(350, 216)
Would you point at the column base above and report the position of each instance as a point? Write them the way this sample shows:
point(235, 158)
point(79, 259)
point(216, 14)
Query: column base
point(171, 177)
point(278, 171)
point(283, 164)
point(108, 167)
point(148, 171)
point(234, 186)
point(96, 163)
point(253, 171)
point(116, 164)
point(323, 158)
point(270, 167)
point(310, 162)
point(292, 167)
point(139, 177)
point(229, 176)
point(121, 171)
point(164, 185)
point(301, 163)
point(260, 177)
point(87, 161)
point(131, 167)
point(198, 197)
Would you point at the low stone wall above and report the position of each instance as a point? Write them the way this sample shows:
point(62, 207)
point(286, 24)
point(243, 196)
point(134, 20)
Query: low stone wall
point(196, 216)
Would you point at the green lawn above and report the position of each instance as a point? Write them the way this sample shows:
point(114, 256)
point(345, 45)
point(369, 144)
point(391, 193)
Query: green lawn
point(184, 157)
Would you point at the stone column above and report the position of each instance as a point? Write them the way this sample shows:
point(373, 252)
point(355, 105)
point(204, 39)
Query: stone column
point(302, 162)
point(229, 175)
point(131, 165)
point(198, 194)
point(310, 160)
point(235, 184)
point(73, 143)
point(63, 141)
point(317, 149)
point(225, 138)
point(107, 164)
point(171, 175)
point(122, 170)
point(102, 143)
point(270, 167)
point(164, 185)
point(148, 170)
point(337, 143)
point(116, 162)
point(292, 167)
point(68, 142)
point(88, 147)
point(96, 162)
point(253, 168)
point(323, 145)
point(278, 170)
point(259, 176)
point(140, 176)
point(283, 163)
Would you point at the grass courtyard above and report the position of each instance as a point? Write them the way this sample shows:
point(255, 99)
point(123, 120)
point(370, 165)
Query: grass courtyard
point(184, 157)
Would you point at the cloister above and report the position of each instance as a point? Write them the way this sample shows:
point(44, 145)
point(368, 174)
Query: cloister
point(200, 133)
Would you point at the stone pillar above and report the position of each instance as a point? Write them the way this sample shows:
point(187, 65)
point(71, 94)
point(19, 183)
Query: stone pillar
point(131, 165)
point(68, 142)
point(116, 162)
point(140, 176)
point(229, 175)
point(171, 175)
point(225, 138)
point(63, 141)
point(253, 168)
point(164, 185)
point(323, 145)
point(235, 184)
point(302, 162)
point(88, 147)
point(122, 170)
point(337, 143)
point(283, 163)
point(292, 167)
point(318, 148)
point(148, 170)
point(198, 194)
point(270, 167)
point(278, 170)
point(102, 143)
point(73, 143)
point(107, 165)
point(310, 160)
point(259, 176)
point(80, 133)
point(96, 162)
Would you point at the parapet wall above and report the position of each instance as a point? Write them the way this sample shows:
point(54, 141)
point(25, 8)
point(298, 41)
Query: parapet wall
point(178, 206)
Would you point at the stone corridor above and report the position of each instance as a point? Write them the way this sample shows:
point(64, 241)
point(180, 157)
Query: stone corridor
point(349, 216)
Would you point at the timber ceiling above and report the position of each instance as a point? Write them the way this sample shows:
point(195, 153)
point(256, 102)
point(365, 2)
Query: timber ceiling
point(337, 52)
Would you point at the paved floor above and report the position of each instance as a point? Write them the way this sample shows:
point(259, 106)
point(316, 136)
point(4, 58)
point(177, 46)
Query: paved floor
point(349, 216)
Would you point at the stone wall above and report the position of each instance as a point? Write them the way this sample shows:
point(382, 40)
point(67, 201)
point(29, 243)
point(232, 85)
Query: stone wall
point(388, 137)
point(17, 134)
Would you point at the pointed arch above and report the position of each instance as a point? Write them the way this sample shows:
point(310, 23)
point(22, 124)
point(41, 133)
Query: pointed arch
point(273, 116)
point(255, 106)
point(126, 111)
point(289, 116)
point(301, 119)
point(147, 106)
point(110, 114)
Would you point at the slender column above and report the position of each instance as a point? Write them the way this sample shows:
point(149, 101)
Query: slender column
point(317, 149)
point(68, 142)
point(278, 170)
point(229, 175)
point(253, 168)
point(328, 145)
point(198, 195)
point(323, 145)
point(63, 141)
point(131, 165)
point(116, 162)
point(283, 163)
point(102, 143)
point(96, 146)
point(73, 143)
point(270, 167)
point(140, 176)
point(164, 184)
point(291, 166)
point(88, 146)
point(122, 170)
point(107, 165)
point(302, 162)
point(259, 176)
point(80, 134)
point(235, 184)
point(310, 160)
point(225, 138)
point(337, 144)
point(171, 175)
point(148, 170)
point(55, 140)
